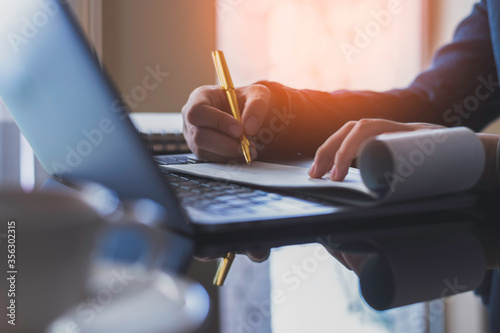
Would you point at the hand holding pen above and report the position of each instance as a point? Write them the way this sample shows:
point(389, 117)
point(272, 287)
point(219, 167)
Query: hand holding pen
point(214, 134)
point(226, 84)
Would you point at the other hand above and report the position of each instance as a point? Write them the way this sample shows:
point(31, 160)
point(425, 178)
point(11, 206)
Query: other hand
point(339, 150)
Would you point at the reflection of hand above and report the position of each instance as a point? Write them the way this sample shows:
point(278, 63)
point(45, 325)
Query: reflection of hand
point(254, 255)
point(340, 149)
point(258, 256)
point(349, 260)
point(211, 131)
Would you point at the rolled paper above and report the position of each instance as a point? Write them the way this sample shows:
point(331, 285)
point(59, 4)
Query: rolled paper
point(420, 268)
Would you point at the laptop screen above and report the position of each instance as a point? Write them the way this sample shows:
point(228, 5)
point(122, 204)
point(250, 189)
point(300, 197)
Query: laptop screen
point(65, 107)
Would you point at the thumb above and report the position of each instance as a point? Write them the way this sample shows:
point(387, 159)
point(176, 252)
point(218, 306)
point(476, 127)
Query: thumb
point(257, 102)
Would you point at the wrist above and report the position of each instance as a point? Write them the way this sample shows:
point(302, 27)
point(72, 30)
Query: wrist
point(280, 129)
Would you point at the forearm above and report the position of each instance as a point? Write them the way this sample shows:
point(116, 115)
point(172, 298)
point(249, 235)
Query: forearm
point(312, 116)
point(459, 89)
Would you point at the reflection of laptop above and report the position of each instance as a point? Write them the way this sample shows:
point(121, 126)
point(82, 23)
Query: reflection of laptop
point(78, 128)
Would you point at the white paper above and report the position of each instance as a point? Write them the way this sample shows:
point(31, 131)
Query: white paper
point(393, 167)
point(419, 164)
point(269, 175)
point(420, 267)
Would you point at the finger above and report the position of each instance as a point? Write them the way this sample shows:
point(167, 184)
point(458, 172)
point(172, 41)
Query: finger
point(258, 255)
point(215, 158)
point(338, 255)
point(354, 261)
point(209, 95)
point(211, 156)
point(257, 100)
point(202, 115)
point(209, 140)
point(363, 130)
point(205, 259)
point(208, 106)
point(325, 155)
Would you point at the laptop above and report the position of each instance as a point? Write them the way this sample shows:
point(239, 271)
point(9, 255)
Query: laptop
point(79, 128)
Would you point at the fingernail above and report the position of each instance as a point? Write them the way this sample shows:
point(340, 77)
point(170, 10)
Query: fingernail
point(235, 130)
point(251, 125)
point(312, 171)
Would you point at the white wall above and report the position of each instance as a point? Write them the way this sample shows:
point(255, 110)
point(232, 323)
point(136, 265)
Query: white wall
point(176, 35)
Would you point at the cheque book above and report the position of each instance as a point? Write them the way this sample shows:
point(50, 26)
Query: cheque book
point(392, 167)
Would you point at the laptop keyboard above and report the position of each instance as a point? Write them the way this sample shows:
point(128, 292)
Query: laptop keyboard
point(208, 200)
point(178, 159)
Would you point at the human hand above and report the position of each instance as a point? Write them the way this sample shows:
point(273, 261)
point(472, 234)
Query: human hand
point(212, 133)
point(340, 149)
point(351, 261)
point(254, 255)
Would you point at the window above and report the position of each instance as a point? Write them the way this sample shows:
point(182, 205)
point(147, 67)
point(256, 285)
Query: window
point(325, 45)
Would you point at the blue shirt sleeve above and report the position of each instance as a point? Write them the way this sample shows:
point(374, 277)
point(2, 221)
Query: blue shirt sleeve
point(461, 86)
point(459, 89)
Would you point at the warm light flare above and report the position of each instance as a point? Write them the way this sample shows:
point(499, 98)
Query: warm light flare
point(324, 45)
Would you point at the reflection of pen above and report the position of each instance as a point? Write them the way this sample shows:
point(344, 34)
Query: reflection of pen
point(226, 84)
point(223, 269)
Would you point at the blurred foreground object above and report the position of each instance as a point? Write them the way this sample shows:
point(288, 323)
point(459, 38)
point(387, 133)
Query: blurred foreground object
point(52, 252)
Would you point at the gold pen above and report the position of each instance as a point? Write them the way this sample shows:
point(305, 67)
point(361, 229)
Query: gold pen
point(226, 84)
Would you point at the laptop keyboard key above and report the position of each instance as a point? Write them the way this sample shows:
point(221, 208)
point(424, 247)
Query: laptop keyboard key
point(225, 200)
